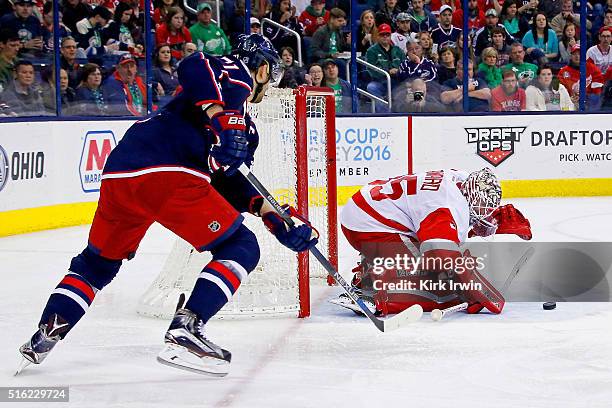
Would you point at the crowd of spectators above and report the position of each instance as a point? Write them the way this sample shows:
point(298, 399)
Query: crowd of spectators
point(523, 54)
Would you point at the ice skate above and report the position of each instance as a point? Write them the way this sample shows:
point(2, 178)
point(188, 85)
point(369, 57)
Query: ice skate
point(345, 301)
point(188, 348)
point(42, 342)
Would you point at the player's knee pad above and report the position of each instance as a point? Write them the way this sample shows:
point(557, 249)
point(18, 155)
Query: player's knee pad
point(240, 247)
point(97, 270)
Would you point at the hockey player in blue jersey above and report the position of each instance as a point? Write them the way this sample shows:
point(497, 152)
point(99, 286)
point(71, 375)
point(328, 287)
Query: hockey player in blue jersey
point(178, 168)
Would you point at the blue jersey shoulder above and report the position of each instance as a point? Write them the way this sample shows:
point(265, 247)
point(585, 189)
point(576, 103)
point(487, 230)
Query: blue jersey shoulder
point(178, 135)
point(205, 80)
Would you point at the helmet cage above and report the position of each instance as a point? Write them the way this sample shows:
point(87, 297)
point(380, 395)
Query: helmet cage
point(483, 194)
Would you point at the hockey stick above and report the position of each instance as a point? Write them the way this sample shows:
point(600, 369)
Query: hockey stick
point(519, 264)
point(438, 314)
point(412, 314)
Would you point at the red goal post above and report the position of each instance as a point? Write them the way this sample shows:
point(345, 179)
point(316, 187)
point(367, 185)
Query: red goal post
point(302, 134)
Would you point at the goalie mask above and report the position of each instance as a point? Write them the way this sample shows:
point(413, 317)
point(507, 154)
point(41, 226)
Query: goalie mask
point(483, 194)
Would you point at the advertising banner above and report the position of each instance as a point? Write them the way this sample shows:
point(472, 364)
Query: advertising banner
point(48, 163)
point(370, 148)
point(518, 147)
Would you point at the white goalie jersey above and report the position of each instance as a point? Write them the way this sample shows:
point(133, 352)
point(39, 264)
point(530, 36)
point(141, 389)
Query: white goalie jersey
point(424, 206)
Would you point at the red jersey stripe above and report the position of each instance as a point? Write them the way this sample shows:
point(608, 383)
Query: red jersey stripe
point(80, 285)
point(226, 272)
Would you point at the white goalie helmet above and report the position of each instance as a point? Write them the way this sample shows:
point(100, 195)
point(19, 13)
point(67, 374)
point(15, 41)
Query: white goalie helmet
point(483, 193)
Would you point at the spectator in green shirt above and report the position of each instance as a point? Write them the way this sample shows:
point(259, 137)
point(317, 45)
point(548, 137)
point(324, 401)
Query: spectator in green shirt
point(487, 68)
point(385, 56)
point(342, 89)
point(525, 71)
point(207, 36)
point(328, 41)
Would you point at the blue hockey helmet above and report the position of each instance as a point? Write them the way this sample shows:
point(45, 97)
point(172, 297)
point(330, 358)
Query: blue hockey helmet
point(254, 50)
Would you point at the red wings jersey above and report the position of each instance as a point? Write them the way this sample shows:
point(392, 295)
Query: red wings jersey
point(601, 59)
point(423, 206)
point(569, 77)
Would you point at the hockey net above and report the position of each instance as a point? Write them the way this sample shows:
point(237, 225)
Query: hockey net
point(295, 161)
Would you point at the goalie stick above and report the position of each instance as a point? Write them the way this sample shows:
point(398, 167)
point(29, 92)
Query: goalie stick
point(412, 314)
point(438, 314)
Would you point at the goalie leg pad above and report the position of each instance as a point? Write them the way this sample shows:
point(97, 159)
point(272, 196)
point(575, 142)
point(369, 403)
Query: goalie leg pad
point(233, 260)
point(480, 293)
point(76, 291)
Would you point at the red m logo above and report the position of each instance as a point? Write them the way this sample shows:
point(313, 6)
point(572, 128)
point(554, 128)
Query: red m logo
point(97, 155)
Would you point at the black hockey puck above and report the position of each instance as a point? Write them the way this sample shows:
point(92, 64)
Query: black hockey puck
point(549, 305)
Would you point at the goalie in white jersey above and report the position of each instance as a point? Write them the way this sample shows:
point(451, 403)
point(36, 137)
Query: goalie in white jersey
point(427, 216)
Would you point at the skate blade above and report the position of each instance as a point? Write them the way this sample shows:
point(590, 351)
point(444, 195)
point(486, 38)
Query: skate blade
point(177, 356)
point(24, 363)
point(349, 304)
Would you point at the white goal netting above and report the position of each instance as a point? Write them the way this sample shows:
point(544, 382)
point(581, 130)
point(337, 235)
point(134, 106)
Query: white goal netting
point(292, 162)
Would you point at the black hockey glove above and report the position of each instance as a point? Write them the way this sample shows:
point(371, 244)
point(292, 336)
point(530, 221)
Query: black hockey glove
point(301, 237)
point(231, 147)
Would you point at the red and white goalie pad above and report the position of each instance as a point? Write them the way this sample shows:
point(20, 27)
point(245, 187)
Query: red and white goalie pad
point(478, 291)
point(421, 280)
point(422, 288)
point(443, 278)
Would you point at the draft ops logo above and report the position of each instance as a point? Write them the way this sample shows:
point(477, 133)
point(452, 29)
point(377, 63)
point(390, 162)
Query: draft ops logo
point(4, 168)
point(97, 146)
point(495, 144)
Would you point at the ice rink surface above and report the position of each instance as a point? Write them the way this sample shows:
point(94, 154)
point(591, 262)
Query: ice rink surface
point(527, 357)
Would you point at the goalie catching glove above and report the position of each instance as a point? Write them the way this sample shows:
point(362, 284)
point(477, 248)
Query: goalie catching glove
point(301, 237)
point(512, 221)
point(231, 146)
point(508, 220)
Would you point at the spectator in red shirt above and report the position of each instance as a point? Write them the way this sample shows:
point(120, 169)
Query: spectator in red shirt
point(434, 5)
point(173, 32)
point(569, 76)
point(476, 17)
point(483, 5)
point(314, 16)
point(601, 54)
point(508, 97)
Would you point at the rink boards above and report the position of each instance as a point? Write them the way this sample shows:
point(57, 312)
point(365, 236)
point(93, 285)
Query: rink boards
point(50, 171)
